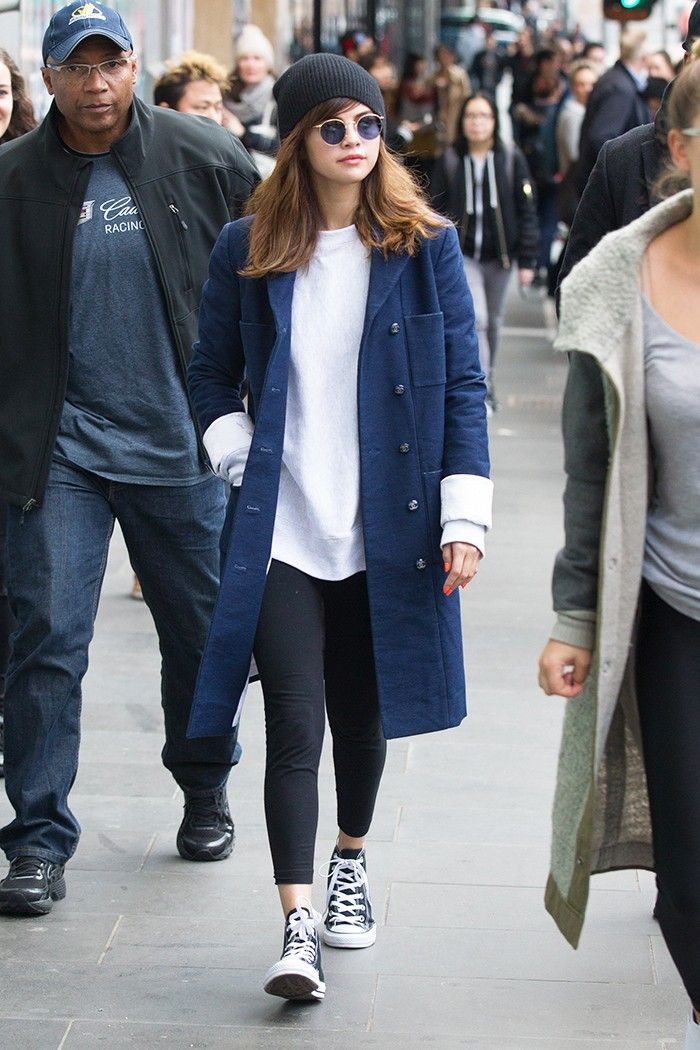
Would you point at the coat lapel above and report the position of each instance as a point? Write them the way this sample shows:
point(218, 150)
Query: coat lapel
point(383, 275)
point(280, 289)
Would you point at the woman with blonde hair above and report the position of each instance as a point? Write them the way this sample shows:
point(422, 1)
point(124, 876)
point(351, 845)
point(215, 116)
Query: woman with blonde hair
point(250, 107)
point(625, 649)
point(359, 472)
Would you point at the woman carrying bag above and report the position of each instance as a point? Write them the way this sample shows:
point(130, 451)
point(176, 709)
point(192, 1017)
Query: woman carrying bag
point(486, 189)
point(360, 491)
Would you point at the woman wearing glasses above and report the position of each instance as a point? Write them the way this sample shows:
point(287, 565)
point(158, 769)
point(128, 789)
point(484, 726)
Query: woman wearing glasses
point(626, 645)
point(360, 494)
point(486, 188)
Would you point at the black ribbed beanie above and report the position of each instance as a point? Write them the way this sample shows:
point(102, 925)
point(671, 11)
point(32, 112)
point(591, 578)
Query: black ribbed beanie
point(318, 78)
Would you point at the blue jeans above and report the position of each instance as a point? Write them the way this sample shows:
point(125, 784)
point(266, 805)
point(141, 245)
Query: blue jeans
point(56, 562)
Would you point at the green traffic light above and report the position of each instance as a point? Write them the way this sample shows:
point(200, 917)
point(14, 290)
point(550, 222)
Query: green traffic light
point(629, 4)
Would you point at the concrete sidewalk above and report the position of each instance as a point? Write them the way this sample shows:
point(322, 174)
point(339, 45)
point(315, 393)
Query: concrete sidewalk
point(150, 951)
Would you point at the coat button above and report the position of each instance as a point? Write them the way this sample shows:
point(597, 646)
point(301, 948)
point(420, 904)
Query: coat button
point(404, 447)
point(395, 328)
point(399, 389)
point(421, 563)
point(412, 504)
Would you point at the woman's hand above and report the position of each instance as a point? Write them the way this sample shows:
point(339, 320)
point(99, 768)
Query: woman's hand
point(461, 563)
point(563, 668)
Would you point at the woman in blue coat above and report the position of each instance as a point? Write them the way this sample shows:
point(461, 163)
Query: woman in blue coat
point(359, 472)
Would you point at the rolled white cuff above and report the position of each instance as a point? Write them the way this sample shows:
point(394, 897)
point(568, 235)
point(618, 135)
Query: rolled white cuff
point(466, 497)
point(227, 435)
point(463, 531)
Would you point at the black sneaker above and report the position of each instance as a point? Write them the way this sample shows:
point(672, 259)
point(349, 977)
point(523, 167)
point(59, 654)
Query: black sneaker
point(348, 921)
point(31, 886)
point(298, 974)
point(206, 832)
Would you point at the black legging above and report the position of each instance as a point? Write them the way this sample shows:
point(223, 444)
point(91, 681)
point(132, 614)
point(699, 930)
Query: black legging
point(310, 630)
point(668, 688)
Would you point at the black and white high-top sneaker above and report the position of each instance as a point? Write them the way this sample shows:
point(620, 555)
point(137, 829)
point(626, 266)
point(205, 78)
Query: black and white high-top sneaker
point(348, 922)
point(298, 974)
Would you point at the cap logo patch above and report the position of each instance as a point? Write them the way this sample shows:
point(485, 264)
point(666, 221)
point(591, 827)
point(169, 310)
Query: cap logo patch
point(86, 11)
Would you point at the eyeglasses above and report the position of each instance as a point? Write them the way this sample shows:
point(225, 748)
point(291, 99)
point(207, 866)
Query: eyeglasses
point(478, 116)
point(76, 72)
point(369, 127)
point(694, 132)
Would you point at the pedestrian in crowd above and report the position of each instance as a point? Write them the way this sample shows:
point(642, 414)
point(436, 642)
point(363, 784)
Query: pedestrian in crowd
point(398, 135)
point(660, 65)
point(594, 54)
point(192, 84)
point(250, 107)
point(521, 64)
point(485, 187)
point(626, 645)
point(109, 210)
point(582, 77)
point(654, 94)
point(488, 66)
point(16, 118)
point(350, 446)
point(16, 110)
point(616, 104)
point(452, 87)
point(355, 44)
point(537, 123)
point(620, 187)
point(415, 105)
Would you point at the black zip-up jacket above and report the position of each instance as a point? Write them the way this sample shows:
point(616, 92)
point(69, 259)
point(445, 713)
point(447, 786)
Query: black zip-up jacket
point(516, 197)
point(188, 178)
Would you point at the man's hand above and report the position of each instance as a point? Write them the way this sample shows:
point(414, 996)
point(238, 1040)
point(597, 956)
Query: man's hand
point(563, 668)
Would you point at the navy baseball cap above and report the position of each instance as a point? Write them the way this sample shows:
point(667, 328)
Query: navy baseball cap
point(76, 22)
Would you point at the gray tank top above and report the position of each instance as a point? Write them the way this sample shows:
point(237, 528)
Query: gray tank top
point(672, 546)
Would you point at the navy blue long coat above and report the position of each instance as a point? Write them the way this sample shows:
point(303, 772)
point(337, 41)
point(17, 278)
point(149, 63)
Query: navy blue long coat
point(419, 385)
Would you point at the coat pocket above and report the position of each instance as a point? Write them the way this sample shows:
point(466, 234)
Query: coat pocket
point(425, 339)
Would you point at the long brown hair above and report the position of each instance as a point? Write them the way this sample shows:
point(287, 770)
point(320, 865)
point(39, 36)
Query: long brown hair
point(22, 119)
point(392, 215)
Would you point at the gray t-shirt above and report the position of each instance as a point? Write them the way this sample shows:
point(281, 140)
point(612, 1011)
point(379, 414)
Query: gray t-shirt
point(126, 415)
point(672, 547)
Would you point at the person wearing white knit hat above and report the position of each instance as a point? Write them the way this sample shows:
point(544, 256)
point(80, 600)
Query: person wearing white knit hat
point(249, 103)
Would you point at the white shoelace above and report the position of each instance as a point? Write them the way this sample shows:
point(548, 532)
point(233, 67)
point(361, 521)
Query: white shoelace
point(346, 899)
point(301, 924)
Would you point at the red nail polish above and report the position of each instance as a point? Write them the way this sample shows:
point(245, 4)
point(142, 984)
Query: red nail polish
point(446, 567)
point(447, 591)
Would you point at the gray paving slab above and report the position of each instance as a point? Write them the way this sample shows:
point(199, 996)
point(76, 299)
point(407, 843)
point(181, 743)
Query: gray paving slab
point(172, 995)
point(514, 908)
point(514, 1009)
point(149, 951)
point(20, 1034)
point(86, 1035)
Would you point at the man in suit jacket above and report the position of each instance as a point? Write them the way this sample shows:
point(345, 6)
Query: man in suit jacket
point(616, 104)
point(619, 189)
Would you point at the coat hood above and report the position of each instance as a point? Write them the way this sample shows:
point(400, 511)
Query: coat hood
point(599, 295)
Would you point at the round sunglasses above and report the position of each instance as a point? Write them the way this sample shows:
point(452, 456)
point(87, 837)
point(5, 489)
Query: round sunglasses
point(369, 127)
